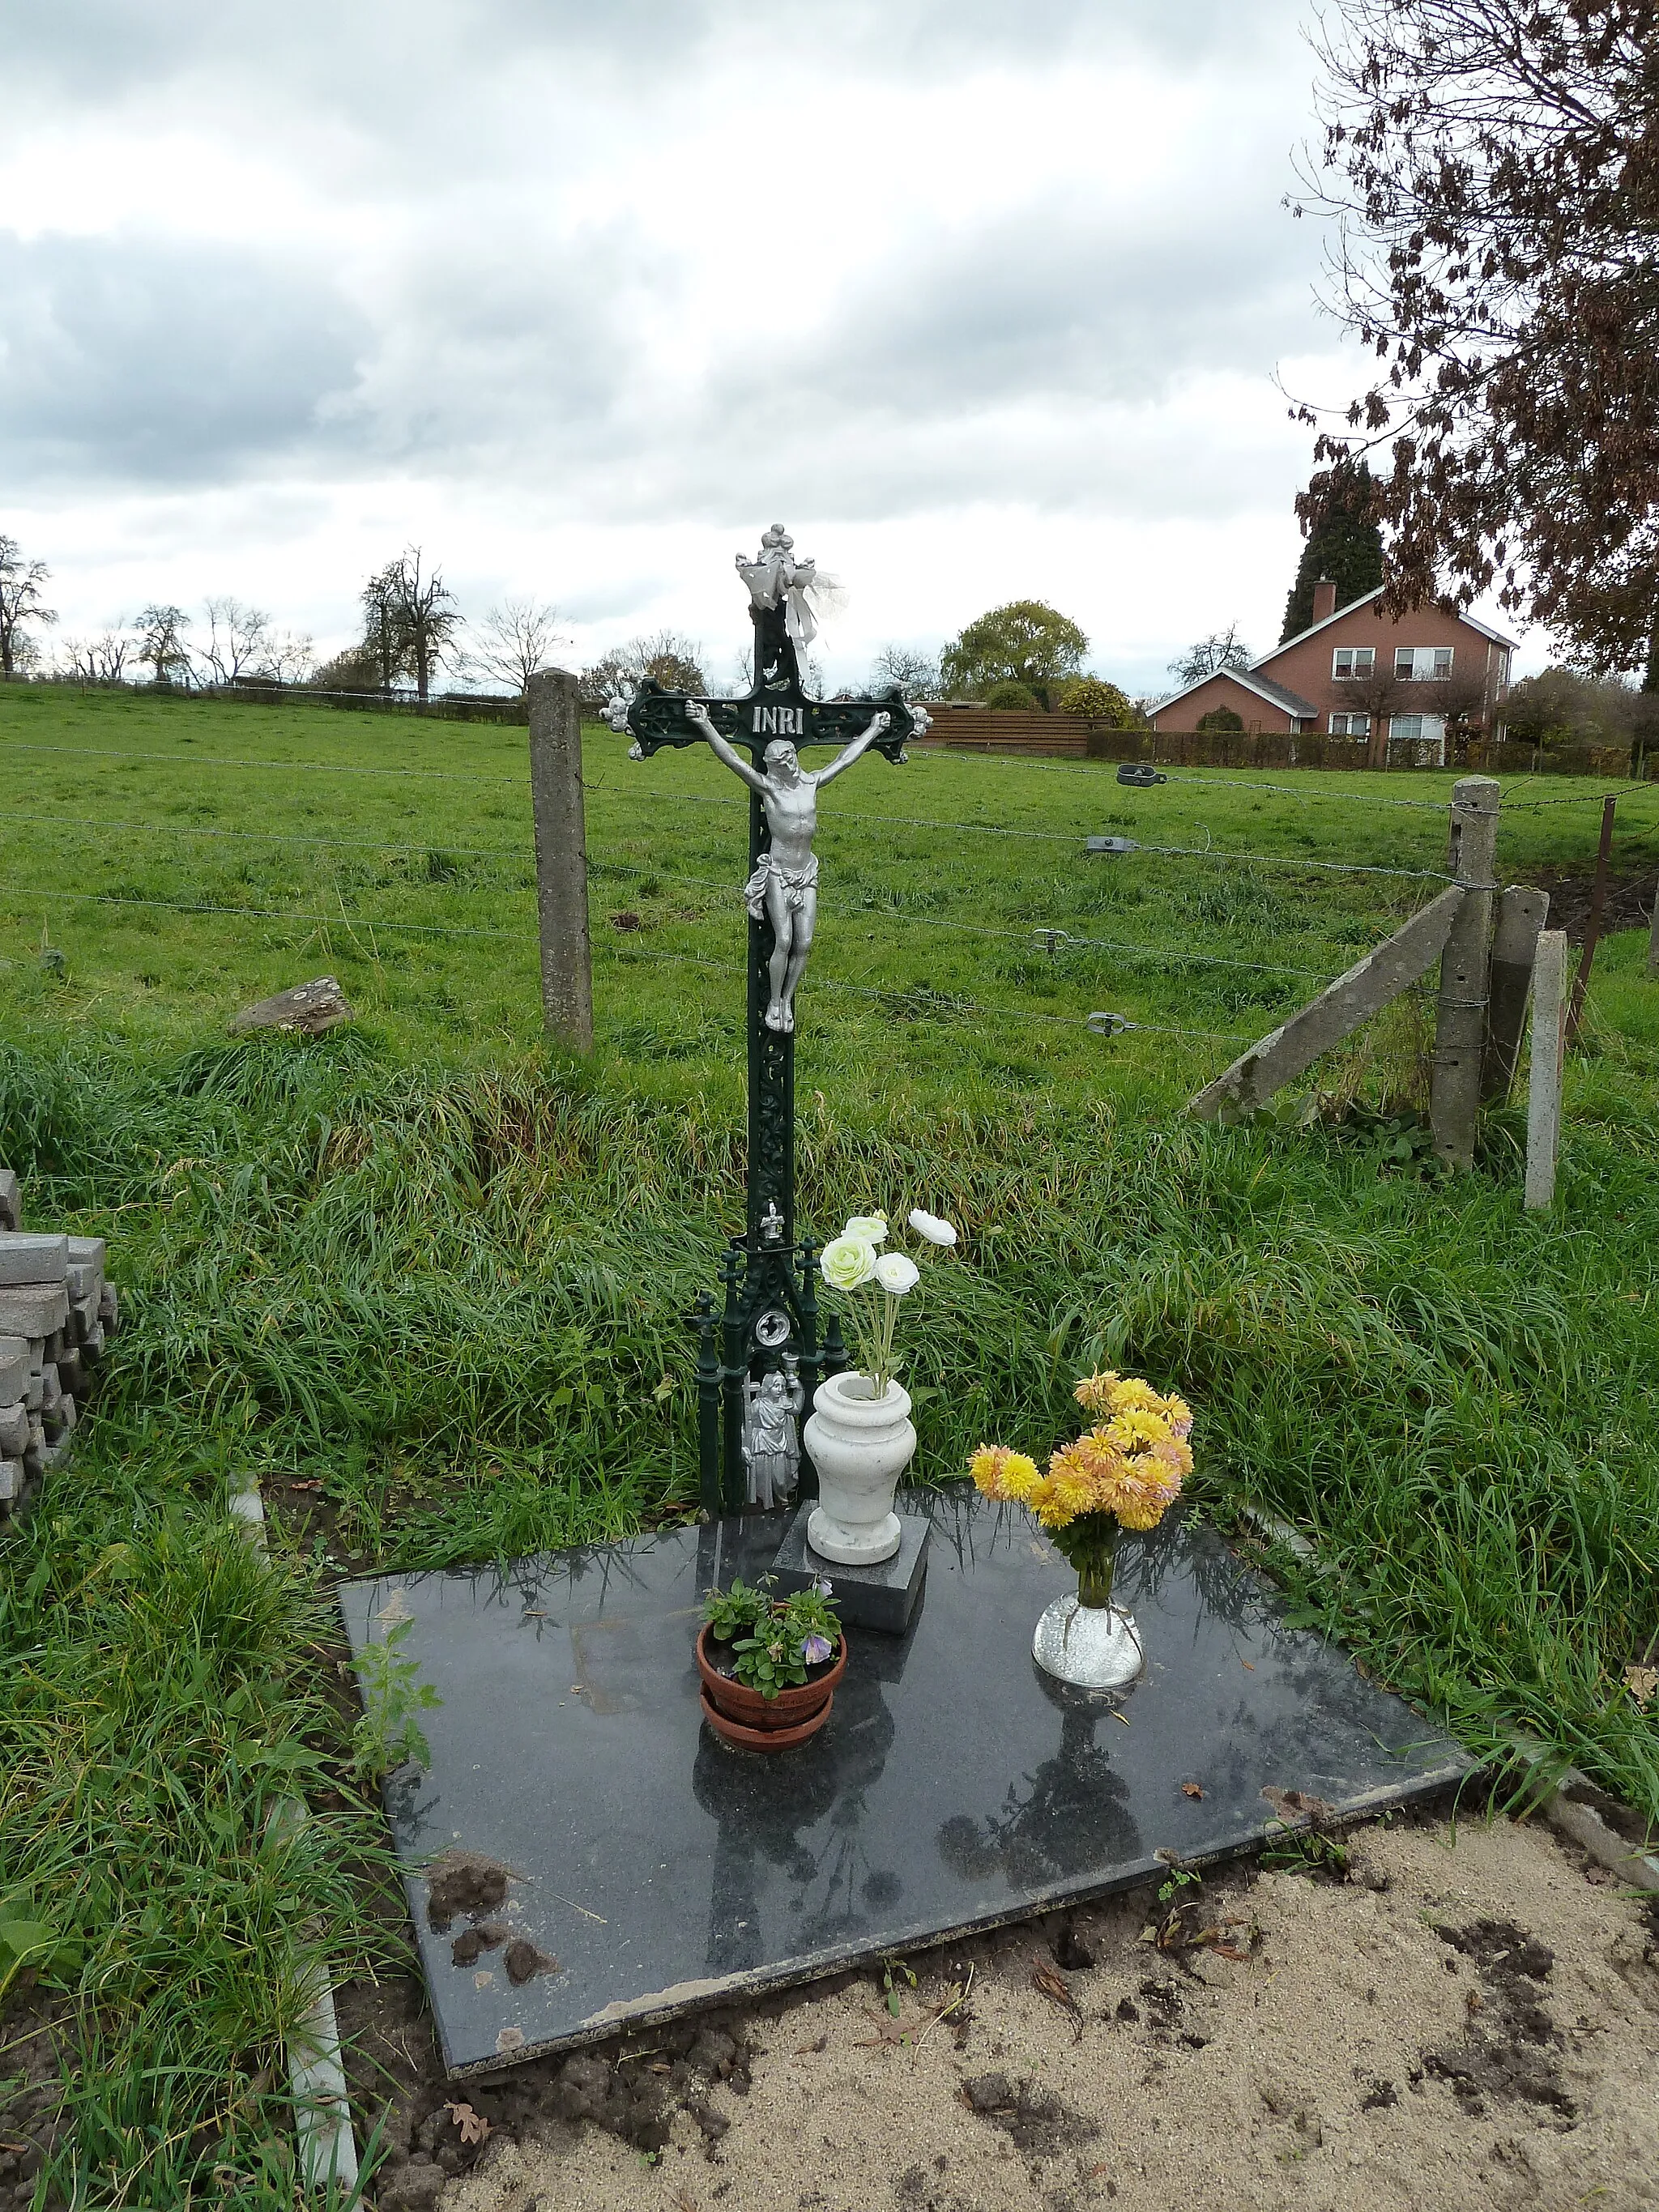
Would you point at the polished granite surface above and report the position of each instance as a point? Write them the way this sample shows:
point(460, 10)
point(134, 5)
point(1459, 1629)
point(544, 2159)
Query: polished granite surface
point(954, 1786)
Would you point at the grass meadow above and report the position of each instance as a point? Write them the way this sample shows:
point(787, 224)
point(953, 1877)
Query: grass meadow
point(440, 1271)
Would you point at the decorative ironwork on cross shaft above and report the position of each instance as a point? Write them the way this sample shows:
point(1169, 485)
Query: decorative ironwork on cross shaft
point(770, 1305)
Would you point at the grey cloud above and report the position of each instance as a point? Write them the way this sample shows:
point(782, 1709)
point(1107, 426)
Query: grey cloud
point(366, 61)
point(1054, 299)
point(148, 360)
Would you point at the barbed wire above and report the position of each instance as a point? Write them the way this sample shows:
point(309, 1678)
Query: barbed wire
point(1065, 940)
point(342, 919)
point(1128, 844)
point(1169, 776)
point(1058, 937)
point(1578, 799)
point(218, 760)
point(941, 1001)
point(1125, 845)
point(264, 836)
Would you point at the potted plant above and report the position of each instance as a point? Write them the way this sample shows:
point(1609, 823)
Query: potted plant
point(769, 1666)
point(1124, 1472)
point(859, 1434)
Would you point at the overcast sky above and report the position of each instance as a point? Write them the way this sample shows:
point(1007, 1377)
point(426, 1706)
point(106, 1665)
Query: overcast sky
point(985, 301)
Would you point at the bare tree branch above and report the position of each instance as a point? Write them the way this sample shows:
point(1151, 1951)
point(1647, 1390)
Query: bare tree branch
point(514, 640)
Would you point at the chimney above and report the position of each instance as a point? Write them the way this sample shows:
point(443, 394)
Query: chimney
point(1324, 600)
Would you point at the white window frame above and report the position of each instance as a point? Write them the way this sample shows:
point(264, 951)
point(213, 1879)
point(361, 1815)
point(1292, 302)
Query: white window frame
point(1353, 725)
point(1361, 659)
point(1418, 663)
point(1411, 736)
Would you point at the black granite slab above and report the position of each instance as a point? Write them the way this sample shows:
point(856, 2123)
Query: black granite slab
point(955, 1785)
point(881, 1597)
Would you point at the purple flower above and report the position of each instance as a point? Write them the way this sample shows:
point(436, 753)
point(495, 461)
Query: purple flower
point(816, 1649)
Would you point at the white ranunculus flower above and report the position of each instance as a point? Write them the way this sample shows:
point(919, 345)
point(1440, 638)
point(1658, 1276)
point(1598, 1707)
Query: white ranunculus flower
point(868, 1228)
point(897, 1273)
point(848, 1262)
point(932, 1227)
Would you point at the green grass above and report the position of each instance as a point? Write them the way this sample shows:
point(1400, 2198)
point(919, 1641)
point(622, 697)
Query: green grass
point(443, 1273)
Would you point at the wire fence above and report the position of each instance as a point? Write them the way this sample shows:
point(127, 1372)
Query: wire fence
point(1039, 934)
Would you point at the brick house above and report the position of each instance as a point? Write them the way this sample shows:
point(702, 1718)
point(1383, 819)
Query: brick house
point(1315, 681)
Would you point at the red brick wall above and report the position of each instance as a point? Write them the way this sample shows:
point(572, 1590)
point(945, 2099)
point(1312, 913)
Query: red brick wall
point(1222, 690)
point(1305, 668)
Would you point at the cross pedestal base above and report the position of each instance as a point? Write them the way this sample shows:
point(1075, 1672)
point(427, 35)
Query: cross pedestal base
point(883, 1596)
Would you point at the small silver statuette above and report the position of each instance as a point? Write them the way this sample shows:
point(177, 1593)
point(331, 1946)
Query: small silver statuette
point(771, 1439)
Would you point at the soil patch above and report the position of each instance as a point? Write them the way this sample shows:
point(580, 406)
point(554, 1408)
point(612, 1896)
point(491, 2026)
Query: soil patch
point(31, 2093)
point(1628, 904)
point(1473, 2021)
point(1509, 2051)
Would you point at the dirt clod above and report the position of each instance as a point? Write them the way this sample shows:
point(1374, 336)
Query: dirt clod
point(464, 1882)
point(416, 2187)
point(524, 1961)
point(1073, 1952)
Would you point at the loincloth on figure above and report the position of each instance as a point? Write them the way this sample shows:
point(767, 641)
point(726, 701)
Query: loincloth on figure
point(793, 882)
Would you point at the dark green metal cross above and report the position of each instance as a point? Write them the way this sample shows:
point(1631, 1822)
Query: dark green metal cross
point(770, 1304)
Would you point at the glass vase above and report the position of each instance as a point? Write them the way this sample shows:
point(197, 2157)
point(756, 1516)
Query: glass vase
point(1084, 1638)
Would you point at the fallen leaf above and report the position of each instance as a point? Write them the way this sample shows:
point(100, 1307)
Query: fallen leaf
point(1249, 1665)
point(1054, 1986)
point(892, 2030)
point(1191, 1789)
point(1643, 1683)
point(473, 2126)
point(306, 1485)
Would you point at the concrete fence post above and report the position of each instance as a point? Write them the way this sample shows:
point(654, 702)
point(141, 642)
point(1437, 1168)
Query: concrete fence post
point(1544, 1082)
point(556, 793)
point(1459, 1035)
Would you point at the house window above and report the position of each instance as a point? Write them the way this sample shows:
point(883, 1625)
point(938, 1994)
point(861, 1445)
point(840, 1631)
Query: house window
point(1353, 659)
point(1351, 726)
point(1406, 726)
point(1422, 661)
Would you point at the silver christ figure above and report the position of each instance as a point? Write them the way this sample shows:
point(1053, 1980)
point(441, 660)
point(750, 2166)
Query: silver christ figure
point(784, 888)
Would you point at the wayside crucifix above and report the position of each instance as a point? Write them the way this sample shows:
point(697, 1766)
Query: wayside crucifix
point(771, 1300)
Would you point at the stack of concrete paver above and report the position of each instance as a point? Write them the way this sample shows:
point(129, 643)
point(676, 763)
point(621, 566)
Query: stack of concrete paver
point(56, 1311)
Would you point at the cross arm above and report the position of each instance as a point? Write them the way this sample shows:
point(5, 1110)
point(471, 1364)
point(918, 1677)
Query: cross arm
point(655, 718)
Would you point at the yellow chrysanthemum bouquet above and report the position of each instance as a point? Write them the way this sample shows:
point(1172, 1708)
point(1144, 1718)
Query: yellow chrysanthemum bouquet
point(1124, 1472)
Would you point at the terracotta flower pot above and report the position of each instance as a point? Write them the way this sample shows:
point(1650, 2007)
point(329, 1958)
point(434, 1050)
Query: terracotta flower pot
point(741, 1715)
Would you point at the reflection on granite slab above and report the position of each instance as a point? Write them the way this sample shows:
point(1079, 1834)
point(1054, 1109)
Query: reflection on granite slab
point(955, 1785)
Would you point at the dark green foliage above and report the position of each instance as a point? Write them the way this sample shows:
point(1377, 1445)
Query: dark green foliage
point(768, 1636)
point(1013, 698)
point(1344, 544)
point(1221, 718)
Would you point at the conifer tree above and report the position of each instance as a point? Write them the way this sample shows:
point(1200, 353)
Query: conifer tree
point(1344, 545)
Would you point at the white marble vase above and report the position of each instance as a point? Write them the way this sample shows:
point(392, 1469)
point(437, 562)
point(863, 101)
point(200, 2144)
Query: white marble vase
point(861, 1446)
